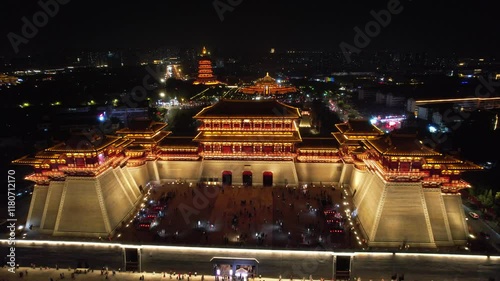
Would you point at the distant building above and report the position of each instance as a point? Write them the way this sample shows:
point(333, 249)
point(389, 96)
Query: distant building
point(205, 71)
point(391, 100)
point(8, 79)
point(124, 114)
point(268, 86)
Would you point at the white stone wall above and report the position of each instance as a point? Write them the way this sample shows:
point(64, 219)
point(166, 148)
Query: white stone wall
point(393, 213)
point(153, 170)
point(176, 170)
point(367, 197)
point(37, 205)
point(140, 174)
point(128, 188)
point(281, 171)
point(356, 179)
point(128, 176)
point(456, 218)
point(402, 217)
point(117, 202)
point(80, 212)
point(319, 172)
point(52, 205)
point(437, 216)
point(346, 175)
point(82, 206)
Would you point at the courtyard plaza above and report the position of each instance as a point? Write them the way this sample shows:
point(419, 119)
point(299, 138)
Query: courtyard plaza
point(247, 216)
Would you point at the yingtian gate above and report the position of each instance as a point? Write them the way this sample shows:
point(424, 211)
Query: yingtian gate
point(403, 190)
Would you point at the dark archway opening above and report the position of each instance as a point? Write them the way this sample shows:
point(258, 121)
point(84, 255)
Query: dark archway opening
point(267, 179)
point(247, 178)
point(227, 178)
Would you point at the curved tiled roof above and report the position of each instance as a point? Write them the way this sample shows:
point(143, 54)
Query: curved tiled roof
point(249, 109)
point(358, 127)
point(401, 145)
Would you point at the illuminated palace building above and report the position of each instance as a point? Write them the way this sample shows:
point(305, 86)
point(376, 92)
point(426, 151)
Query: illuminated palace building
point(205, 72)
point(268, 86)
point(402, 190)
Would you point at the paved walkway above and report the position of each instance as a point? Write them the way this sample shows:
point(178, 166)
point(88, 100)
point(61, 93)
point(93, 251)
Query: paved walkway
point(53, 274)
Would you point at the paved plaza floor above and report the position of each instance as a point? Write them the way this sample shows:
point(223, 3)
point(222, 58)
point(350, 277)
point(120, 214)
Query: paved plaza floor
point(51, 274)
point(277, 217)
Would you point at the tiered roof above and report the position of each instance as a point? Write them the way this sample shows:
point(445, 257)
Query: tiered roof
point(205, 73)
point(353, 131)
point(447, 162)
point(359, 128)
point(144, 131)
point(249, 109)
point(401, 145)
point(248, 136)
point(318, 144)
point(178, 142)
point(178, 148)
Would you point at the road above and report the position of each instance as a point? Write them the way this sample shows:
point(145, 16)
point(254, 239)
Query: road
point(271, 263)
point(478, 225)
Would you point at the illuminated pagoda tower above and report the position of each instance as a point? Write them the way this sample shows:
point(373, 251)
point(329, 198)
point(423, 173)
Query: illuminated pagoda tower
point(404, 192)
point(268, 86)
point(82, 186)
point(205, 71)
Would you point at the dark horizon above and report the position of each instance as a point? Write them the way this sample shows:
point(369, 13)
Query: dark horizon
point(249, 26)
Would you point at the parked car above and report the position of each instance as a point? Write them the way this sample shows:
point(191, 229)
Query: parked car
point(473, 215)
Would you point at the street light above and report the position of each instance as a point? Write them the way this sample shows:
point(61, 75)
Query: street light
point(162, 94)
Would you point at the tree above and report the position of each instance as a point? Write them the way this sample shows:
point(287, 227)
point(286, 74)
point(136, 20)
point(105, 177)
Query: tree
point(486, 199)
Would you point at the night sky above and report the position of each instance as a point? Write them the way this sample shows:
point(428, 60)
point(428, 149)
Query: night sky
point(465, 27)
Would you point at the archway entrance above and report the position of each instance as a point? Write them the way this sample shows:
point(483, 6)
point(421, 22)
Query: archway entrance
point(247, 178)
point(267, 178)
point(227, 178)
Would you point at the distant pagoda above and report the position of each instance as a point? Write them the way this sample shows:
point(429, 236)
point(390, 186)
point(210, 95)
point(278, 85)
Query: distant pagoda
point(205, 72)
